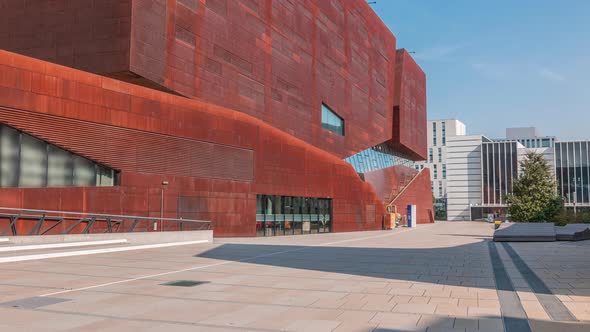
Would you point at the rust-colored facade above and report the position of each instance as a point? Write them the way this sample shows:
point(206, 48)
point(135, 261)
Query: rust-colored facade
point(219, 98)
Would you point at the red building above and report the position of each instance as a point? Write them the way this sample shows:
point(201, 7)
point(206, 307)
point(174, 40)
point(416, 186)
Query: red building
point(263, 116)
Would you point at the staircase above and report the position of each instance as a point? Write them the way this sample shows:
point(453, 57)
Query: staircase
point(401, 186)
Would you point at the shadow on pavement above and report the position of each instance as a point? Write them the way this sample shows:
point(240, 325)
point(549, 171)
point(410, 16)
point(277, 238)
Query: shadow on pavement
point(465, 265)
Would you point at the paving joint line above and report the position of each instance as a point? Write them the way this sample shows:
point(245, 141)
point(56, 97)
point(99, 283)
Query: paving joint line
point(196, 324)
point(513, 315)
point(556, 310)
point(221, 263)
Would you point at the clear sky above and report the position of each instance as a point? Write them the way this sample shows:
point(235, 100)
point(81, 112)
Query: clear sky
point(501, 63)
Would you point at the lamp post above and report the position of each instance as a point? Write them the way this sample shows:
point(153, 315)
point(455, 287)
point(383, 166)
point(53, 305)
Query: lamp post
point(575, 201)
point(164, 183)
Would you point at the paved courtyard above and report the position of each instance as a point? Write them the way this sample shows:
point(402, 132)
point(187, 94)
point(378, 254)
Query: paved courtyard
point(441, 277)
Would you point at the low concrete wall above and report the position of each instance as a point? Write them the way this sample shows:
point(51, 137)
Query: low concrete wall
point(133, 238)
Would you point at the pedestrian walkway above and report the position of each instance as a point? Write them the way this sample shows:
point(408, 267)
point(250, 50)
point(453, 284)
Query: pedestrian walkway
point(439, 277)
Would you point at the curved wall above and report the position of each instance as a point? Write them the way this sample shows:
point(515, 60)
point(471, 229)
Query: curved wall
point(134, 123)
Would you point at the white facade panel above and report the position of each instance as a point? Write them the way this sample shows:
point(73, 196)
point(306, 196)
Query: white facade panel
point(463, 175)
point(439, 132)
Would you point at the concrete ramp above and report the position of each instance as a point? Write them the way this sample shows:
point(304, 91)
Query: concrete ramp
point(525, 232)
point(573, 232)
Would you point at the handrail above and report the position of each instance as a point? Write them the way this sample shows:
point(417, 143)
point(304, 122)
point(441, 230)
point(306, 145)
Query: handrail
point(87, 222)
point(404, 188)
point(102, 215)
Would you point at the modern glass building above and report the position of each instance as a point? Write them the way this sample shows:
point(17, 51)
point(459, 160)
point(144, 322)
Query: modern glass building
point(499, 166)
point(572, 172)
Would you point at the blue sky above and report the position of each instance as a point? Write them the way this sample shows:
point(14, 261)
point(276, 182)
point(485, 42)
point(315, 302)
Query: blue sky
point(497, 64)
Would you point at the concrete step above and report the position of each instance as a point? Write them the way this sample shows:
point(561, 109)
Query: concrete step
point(61, 245)
point(95, 250)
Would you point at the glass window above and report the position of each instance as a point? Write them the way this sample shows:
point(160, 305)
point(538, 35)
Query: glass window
point(444, 133)
point(26, 161)
point(59, 170)
point(105, 176)
point(430, 158)
point(558, 169)
point(502, 173)
point(332, 121)
point(287, 215)
point(585, 173)
point(9, 154)
point(33, 159)
point(578, 176)
point(434, 133)
point(570, 172)
point(378, 157)
point(84, 172)
point(439, 155)
point(444, 171)
point(435, 171)
point(485, 173)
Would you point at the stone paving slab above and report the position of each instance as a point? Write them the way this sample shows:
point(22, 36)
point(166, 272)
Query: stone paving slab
point(433, 278)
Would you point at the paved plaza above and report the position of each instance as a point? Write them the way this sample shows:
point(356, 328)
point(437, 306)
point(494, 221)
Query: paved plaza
point(440, 277)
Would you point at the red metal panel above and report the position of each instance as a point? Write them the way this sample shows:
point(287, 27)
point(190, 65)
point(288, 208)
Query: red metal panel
point(85, 34)
point(273, 66)
point(410, 120)
point(134, 150)
point(277, 61)
point(388, 182)
point(274, 60)
point(153, 123)
point(404, 186)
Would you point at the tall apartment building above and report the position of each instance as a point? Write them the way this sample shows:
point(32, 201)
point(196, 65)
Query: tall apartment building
point(438, 133)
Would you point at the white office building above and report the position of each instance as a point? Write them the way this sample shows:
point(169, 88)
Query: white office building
point(439, 132)
point(464, 175)
point(481, 171)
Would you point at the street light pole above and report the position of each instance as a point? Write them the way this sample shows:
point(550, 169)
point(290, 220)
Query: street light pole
point(164, 183)
point(575, 201)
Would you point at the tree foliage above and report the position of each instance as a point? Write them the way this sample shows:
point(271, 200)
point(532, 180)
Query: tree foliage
point(534, 197)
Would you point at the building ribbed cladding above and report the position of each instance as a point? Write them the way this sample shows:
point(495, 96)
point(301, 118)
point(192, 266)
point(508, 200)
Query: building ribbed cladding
point(28, 162)
point(499, 170)
point(572, 170)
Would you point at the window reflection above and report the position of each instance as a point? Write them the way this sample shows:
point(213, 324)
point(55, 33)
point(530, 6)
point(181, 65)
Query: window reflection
point(26, 161)
point(499, 169)
point(572, 163)
point(288, 215)
point(376, 158)
point(332, 121)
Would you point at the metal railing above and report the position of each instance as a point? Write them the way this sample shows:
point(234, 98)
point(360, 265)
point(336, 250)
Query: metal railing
point(14, 222)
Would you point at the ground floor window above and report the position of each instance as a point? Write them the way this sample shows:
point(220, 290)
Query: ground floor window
point(288, 215)
point(28, 162)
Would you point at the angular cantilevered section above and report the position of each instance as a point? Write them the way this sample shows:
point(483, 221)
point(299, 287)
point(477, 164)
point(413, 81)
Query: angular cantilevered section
point(409, 113)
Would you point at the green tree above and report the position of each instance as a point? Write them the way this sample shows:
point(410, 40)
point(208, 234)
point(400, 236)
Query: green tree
point(534, 197)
